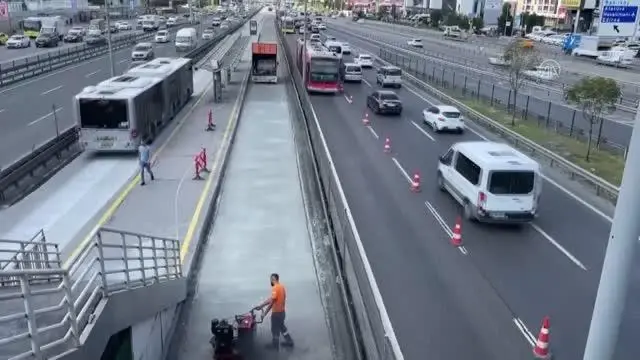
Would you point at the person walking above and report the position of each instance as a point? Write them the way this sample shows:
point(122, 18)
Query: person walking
point(144, 155)
point(276, 305)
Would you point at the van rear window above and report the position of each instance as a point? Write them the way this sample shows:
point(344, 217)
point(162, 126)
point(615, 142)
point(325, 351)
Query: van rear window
point(511, 182)
point(354, 69)
point(394, 72)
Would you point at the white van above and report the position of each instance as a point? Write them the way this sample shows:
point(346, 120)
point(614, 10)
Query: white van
point(492, 181)
point(351, 72)
point(389, 76)
point(186, 39)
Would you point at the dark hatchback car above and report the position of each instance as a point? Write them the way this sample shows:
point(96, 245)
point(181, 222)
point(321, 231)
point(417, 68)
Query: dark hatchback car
point(73, 37)
point(384, 102)
point(47, 40)
point(95, 40)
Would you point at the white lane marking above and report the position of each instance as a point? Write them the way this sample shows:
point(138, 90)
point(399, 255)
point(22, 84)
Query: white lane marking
point(402, 170)
point(525, 331)
point(373, 132)
point(423, 131)
point(44, 117)
point(443, 224)
point(347, 98)
point(92, 73)
point(367, 83)
point(123, 61)
point(559, 247)
point(52, 90)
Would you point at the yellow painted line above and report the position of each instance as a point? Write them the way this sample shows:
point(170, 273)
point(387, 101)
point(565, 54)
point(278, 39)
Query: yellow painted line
point(188, 237)
point(108, 214)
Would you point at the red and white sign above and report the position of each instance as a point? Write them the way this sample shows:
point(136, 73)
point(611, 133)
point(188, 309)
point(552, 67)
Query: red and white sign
point(4, 10)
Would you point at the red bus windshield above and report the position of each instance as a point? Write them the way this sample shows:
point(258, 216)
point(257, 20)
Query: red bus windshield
point(324, 70)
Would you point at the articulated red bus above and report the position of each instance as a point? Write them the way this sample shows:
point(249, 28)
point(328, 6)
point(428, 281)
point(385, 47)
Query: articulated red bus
point(322, 68)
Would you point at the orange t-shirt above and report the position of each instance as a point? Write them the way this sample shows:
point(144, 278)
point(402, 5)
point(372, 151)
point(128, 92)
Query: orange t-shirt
point(279, 297)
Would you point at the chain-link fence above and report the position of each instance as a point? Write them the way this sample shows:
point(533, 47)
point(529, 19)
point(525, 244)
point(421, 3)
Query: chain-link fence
point(546, 114)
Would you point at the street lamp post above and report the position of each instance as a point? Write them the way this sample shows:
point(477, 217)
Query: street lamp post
point(304, 42)
point(618, 260)
point(111, 63)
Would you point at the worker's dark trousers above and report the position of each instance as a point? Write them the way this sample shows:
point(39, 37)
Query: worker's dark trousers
point(278, 327)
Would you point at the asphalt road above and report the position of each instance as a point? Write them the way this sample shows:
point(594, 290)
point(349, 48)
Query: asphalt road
point(26, 109)
point(8, 55)
point(444, 303)
point(616, 128)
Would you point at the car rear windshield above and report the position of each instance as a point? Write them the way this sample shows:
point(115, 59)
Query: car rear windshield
point(394, 72)
point(354, 69)
point(141, 48)
point(388, 96)
point(365, 57)
point(511, 182)
point(103, 114)
point(163, 33)
point(451, 114)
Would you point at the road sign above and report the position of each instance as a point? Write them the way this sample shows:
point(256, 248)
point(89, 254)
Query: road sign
point(4, 10)
point(618, 18)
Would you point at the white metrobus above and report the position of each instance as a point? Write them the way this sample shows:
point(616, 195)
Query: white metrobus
point(118, 113)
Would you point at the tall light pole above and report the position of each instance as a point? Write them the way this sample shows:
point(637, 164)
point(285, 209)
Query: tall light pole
point(111, 63)
point(304, 43)
point(618, 260)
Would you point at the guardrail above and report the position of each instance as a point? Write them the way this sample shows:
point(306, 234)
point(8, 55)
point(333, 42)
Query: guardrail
point(29, 172)
point(18, 179)
point(48, 319)
point(377, 337)
point(601, 187)
point(627, 102)
point(31, 66)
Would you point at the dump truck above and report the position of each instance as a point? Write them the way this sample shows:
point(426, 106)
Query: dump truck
point(264, 62)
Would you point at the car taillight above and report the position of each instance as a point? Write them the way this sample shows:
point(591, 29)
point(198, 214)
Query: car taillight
point(134, 134)
point(441, 119)
point(482, 200)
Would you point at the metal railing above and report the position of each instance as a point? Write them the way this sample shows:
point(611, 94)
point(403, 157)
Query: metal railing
point(601, 187)
point(465, 61)
point(377, 337)
point(35, 253)
point(43, 320)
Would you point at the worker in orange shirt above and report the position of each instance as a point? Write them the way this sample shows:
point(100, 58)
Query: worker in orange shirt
point(276, 304)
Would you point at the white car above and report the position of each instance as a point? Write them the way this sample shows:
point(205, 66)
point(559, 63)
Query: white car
point(415, 43)
point(364, 60)
point(123, 25)
point(346, 48)
point(18, 42)
point(322, 26)
point(162, 36)
point(208, 34)
point(172, 21)
point(443, 117)
point(301, 30)
point(314, 37)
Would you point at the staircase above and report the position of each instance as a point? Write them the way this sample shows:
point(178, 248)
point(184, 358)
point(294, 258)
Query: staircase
point(50, 309)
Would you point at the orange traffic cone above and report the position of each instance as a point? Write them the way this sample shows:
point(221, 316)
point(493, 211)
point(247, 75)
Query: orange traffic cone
point(365, 120)
point(456, 239)
point(541, 350)
point(387, 145)
point(415, 183)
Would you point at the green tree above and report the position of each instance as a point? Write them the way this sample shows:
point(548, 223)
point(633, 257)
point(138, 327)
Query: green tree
point(505, 16)
point(596, 97)
point(477, 23)
point(435, 18)
point(519, 58)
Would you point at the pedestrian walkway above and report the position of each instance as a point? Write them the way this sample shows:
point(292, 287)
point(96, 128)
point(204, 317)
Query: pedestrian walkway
point(260, 228)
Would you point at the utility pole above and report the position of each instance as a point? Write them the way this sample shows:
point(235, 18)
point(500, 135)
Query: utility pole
point(618, 260)
point(190, 12)
point(111, 62)
point(304, 42)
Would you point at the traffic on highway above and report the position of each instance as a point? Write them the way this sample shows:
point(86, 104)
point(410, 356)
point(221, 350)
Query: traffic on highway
point(387, 138)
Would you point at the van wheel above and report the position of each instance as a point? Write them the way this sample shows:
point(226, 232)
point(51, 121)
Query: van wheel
point(440, 180)
point(468, 211)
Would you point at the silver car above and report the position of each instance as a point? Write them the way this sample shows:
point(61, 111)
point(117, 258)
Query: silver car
point(142, 51)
